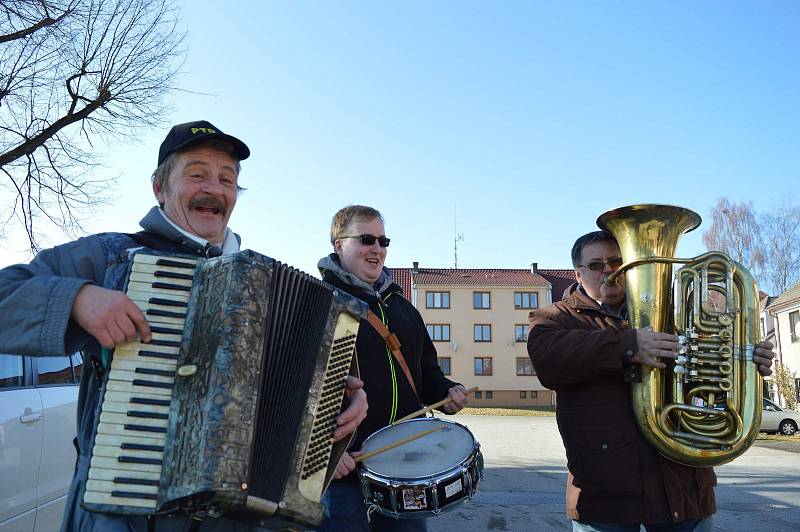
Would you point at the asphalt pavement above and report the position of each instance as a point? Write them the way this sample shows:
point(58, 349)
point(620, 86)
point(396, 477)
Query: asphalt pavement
point(525, 475)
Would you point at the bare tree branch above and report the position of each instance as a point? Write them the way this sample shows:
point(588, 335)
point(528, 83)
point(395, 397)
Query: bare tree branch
point(73, 71)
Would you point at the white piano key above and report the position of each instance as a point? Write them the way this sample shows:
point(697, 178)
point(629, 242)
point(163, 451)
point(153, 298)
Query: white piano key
point(122, 408)
point(110, 451)
point(94, 497)
point(107, 486)
point(116, 440)
point(125, 386)
point(113, 463)
point(118, 430)
point(101, 473)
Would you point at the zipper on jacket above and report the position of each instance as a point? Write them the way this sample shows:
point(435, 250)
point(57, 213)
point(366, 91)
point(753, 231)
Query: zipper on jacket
point(393, 412)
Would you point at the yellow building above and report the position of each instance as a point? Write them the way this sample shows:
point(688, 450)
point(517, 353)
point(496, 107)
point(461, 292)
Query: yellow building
point(478, 321)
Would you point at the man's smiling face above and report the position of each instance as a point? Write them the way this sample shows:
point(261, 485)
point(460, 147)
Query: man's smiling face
point(201, 192)
point(365, 262)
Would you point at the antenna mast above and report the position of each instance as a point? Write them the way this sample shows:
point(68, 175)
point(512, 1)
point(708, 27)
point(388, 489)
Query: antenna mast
point(459, 237)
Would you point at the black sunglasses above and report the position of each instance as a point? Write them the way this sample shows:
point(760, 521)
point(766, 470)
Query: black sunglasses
point(598, 265)
point(368, 240)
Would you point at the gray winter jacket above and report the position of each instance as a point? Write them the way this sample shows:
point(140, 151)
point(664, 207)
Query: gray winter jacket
point(35, 304)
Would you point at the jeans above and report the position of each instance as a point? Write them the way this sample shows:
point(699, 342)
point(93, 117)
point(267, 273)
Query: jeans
point(345, 511)
point(694, 525)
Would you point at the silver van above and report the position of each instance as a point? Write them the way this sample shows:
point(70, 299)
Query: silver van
point(38, 401)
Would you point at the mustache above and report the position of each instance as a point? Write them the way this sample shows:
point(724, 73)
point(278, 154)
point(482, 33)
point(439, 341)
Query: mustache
point(208, 202)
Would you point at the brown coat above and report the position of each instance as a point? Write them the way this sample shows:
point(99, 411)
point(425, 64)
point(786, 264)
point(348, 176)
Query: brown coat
point(577, 350)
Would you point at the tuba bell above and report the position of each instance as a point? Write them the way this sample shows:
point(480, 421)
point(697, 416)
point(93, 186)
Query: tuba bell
point(704, 408)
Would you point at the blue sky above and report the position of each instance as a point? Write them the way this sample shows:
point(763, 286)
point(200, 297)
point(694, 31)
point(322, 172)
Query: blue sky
point(523, 121)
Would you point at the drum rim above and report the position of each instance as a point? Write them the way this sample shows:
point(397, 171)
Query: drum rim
point(363, 468)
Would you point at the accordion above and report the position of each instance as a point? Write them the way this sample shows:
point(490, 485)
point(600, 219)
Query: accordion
point(230, 408)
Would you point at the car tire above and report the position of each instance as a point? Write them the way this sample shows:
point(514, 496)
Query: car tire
point(788, 427)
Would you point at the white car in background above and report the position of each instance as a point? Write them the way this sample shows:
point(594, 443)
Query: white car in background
point(777, 419)
point(38, 401)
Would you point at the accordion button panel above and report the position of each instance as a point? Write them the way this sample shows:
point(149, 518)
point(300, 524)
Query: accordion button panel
point(129, 443)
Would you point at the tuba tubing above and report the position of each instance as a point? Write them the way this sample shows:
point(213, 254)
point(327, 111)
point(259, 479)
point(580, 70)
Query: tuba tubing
point(704, 408)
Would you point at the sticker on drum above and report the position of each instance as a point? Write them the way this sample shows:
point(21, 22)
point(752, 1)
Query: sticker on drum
point(422, 477)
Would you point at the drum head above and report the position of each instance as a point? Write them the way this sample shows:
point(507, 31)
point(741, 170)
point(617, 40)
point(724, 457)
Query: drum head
point(427, 456)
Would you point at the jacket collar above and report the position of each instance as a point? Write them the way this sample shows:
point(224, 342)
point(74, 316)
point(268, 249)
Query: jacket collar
point(156, 221)
point(581, 300)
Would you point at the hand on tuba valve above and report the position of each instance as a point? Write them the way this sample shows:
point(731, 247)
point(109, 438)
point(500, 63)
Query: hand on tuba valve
point(654, 345)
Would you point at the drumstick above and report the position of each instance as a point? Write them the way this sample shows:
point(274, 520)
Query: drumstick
point(427, 409)
point(398, 443)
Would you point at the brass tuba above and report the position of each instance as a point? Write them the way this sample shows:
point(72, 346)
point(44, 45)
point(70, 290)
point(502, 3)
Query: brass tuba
point(704, 408)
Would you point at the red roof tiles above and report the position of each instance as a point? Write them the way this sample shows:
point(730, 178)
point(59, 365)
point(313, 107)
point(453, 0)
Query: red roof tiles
point(558, 279)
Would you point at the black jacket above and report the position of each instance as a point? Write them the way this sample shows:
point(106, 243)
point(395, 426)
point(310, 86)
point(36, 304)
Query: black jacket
point(389, 394)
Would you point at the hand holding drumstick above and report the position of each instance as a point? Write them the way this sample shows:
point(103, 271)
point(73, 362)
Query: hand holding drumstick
point(458, 391)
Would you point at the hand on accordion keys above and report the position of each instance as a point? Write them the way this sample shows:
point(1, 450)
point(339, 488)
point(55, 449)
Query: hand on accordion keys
point(348, 421)
point(109, 316)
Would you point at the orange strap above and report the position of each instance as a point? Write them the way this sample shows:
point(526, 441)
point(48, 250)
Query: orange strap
point(394, 345)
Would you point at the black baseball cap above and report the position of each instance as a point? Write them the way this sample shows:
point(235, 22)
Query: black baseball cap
point(182, 135)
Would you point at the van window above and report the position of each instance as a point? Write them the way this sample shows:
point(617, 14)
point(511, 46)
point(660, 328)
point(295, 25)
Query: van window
point(54, 370)
point(11, 375)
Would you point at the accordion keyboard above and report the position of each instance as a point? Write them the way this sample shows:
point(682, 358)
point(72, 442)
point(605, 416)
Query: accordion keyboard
point(129, 446)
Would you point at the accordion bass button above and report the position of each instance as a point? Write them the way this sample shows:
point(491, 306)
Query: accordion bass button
point(187, 371)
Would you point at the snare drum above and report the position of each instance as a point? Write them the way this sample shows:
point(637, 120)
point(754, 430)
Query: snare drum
point(424, 477)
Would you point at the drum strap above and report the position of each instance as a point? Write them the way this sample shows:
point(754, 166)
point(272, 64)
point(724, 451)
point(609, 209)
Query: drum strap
point(394, 345)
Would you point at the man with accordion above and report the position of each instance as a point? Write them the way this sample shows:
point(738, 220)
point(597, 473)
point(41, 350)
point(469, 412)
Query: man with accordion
point(71, 297)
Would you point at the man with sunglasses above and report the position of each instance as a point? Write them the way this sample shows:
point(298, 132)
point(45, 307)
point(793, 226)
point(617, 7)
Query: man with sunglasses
point(581, 348)
point(356, 266)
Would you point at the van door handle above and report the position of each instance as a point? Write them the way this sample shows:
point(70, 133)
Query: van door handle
point(30, 416)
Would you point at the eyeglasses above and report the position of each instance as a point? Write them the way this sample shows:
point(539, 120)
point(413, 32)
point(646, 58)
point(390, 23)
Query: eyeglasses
point(599, 265)
point(368, 240)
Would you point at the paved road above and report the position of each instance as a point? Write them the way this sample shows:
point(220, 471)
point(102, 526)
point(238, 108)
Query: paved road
point(525, 474)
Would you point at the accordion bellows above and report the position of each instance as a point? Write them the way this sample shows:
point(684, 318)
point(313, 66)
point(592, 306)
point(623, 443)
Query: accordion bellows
point(231, 407)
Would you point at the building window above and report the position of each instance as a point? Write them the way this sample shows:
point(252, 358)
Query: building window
point(524, 366)
point(437, 299)
point(526, 300)
point(489, 394)
point(479, 395)
point(794, 318)
point(482, 332)
point(523, 394)
point(521, 332)
point(763, 329)
point(481, 300)
point(534, 394)
point(439, 332)
point(444, 363)
point(483, 365)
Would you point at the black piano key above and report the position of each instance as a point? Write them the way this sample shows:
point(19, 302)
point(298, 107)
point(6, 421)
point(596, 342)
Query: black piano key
point(173, 275)
point(149, 401)
point(134, 495)
point(174, 264)
point(151, 371)
point(142, 447)
point(145, 428)
point(167, 302)
point(138, 460)
point(156, 354)
point(170, 286)
point(137, 481)
point(148, 415)
point(165, 330)
point(165, 313)
point(165, 343)
point(152, 384)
